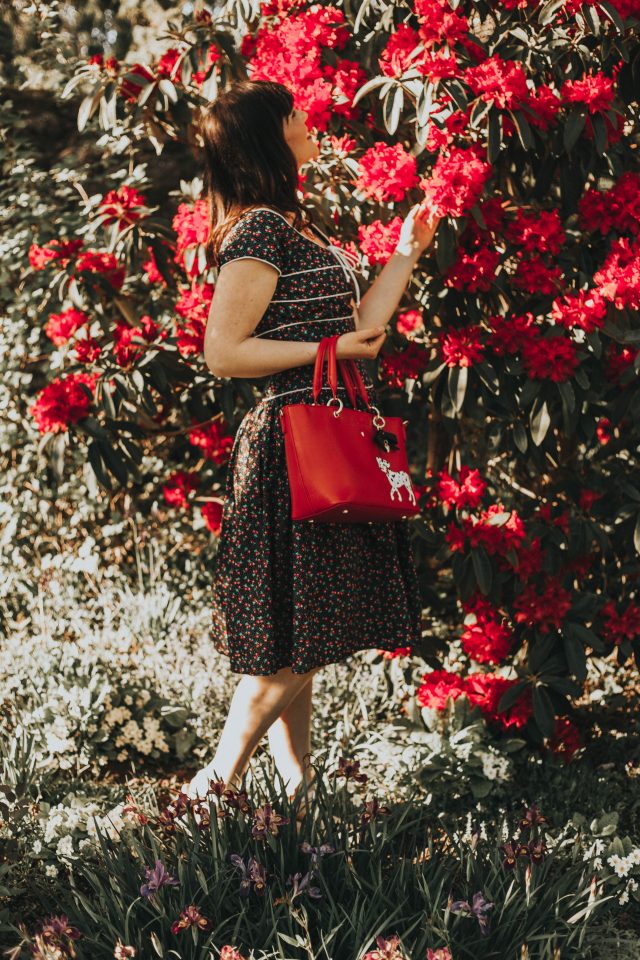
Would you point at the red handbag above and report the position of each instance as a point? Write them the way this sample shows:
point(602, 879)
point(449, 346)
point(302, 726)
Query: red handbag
point(342, 466)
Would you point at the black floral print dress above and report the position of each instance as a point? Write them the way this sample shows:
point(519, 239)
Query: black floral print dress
point(295, 593)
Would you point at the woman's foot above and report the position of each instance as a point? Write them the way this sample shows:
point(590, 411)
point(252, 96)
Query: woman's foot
point(305, 790)
point(198, 787)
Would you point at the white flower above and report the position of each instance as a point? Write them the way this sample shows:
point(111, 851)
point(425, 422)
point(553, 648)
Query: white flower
point(51, 870)
point(37, 847)
point(620, 865)
point(65, 848)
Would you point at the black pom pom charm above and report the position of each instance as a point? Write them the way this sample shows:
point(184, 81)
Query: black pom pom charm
point(385, 440)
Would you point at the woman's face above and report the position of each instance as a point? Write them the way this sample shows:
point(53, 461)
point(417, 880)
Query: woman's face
point(296, 132)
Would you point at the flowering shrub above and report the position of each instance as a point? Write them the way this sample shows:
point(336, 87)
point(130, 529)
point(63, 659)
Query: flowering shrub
point(513, 355)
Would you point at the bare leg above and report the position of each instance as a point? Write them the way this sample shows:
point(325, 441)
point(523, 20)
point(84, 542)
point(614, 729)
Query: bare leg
point(290, 736)
point(257, 701)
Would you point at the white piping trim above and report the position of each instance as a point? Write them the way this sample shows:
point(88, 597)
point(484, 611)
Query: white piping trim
point(325, 296)
point(345, 259)
point(248, 256)
point(332, 266)
point(298, 389)
point(296, 323)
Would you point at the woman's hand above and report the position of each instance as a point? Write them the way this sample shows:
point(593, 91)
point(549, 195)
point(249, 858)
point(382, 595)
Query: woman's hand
point(417, 231)
point(360, 344)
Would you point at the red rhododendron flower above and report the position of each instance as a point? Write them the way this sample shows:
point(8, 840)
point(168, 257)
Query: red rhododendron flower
point(395, 58)
point(55, 250)
point(436, 686)
point(510, 334)
point(378, 240)
point(410, 321)
point(213, 55)
point(167, 64)
point(545, 611)
point(585, 309)
point(131, 86)
point(487, 641)
point(106, 264)
point(615, 209)
point(386, 172)
point(595, 90)
point(61, 402)
point(61, 327)
point(536, 231)
point(618, 279)
point(397, 367)
point(502, 81)
point(212, 514)
point(439, 23)
point(150, 267)
point(194, 305)
point(124, 205)
point(473, 271)
point(530, 558)
point(545, 105)
point(456, 182)
point(497, 538)
point(619, 627)
point(178, 487)
point(550, 358)
point(534, 276)
point(191, 224)
point(214, 443)
point(485, 690)
point(462, 348)
point(465, 494)
point(86, 349)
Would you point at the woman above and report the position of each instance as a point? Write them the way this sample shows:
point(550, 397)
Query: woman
point(289, 597)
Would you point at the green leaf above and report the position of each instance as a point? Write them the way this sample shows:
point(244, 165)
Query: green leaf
point(575, 654)
point(95, 460)
point(512, 695)
point(636, 534)
point(482, 569)
point(114, 461)
point(539, 422)
point(523, 129)
point(520, 436)
point(543, 711)
point(494, 136)
point(392, 110)
point(88, 107)
point(573, 128)
point(457, 386)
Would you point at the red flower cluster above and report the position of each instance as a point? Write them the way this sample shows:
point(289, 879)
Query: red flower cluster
point(502, 81)
point(619, 627)
point(585, 309)
point(214, 443)
point(61, 402)
point(194, 305)
point(397, 367)
point(178, 487)
point(466, 493)
point(378, 240)
point(487, 641)
point(212, 514)
point(191, 223)
point(536, 231)
point(550, 358)
point(618, 280)
point(61, 327)
point(462, 348)
point(533, 275)
point(566, 739)
point(456, 182)
point(410, 321)
point(386, 172)
point(544, 611)
point(106, 264)
point(124, 206)
point(619, 359)
point(615, 209)
point(595, 91)
point(126, 337)
point(473, 271)
point(394, 654)
point(510, 334)
point(498, 538)
point(60, 251)
point(483, 690)
point(439, 24)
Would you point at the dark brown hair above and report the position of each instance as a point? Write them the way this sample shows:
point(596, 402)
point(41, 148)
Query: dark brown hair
point(247, 161)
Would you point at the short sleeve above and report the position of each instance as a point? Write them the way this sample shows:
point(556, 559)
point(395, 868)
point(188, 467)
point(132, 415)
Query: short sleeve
point(258, 235)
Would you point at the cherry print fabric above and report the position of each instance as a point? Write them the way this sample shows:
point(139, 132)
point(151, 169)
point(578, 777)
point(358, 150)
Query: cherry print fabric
point(295, 593)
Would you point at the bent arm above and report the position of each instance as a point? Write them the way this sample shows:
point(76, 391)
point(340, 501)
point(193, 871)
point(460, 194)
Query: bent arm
point(379, 303)
point(242, 293)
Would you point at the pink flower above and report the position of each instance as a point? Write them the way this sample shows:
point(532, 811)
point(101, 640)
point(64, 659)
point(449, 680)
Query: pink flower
point(61, 326)
point(387, 172)
point(456, 182)
point(61, 402)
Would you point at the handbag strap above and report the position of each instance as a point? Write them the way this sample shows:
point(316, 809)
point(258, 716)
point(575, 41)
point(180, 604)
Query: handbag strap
point(353, 382)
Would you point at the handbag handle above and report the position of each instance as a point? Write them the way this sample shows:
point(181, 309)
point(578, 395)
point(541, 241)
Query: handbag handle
point(349, 371)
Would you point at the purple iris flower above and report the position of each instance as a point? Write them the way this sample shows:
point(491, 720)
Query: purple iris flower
point(478, 909)
point(156, 878)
